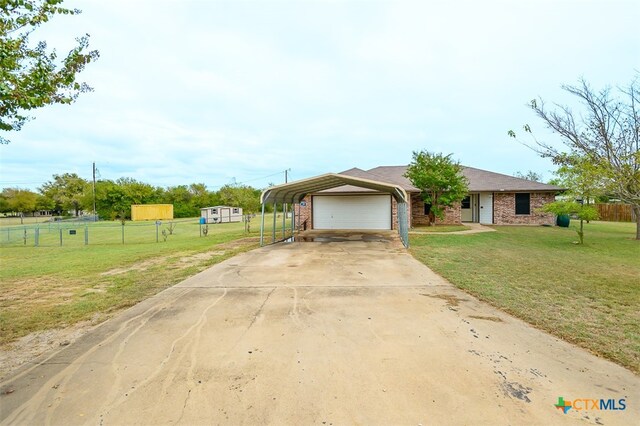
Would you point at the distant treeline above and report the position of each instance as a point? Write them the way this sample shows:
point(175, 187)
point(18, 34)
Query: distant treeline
point(69, 194)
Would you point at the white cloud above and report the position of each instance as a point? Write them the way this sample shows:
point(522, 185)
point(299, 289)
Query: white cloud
point(196, 91)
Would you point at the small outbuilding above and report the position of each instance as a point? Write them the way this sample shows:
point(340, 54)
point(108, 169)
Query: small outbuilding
point(151, 211)
point(221, 214)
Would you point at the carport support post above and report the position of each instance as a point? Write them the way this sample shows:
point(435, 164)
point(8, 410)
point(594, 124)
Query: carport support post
point(284, 219)
point(293, 218)
point(262, 227)
point(275, 213)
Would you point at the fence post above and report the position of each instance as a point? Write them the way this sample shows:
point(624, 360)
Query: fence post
point(86, 235)
point(157, 231)
point(122, 232)
point(60, 229)
point(37, 236)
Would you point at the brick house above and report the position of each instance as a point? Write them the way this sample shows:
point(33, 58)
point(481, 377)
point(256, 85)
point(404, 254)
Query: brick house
point(493, 198)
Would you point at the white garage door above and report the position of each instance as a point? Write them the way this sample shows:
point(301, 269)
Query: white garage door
point(352, 212)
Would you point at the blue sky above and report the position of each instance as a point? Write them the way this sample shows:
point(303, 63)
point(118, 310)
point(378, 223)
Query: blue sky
point(223, 91)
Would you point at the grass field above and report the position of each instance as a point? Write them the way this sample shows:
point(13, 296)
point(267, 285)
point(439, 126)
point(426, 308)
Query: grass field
point(78, 233)
point(50, 286)
point(13, 221)
point(588, 295)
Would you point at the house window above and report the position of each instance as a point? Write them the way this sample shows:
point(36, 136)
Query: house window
point(427, 209)
point(214, 211)
point(523, 203)
point(236, 210)
point(466, 202)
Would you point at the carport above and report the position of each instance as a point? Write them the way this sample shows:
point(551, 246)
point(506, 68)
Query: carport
point(294, 192)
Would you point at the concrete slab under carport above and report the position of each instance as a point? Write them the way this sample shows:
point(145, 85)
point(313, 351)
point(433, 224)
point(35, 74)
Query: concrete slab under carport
point(351, 235)
point(316, 333)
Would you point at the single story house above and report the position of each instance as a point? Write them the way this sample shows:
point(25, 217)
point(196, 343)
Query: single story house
point(493, 198)
point(221, 214)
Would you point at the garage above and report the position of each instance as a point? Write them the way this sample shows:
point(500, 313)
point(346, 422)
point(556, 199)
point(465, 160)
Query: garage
point(329, 211)
point(352, 211)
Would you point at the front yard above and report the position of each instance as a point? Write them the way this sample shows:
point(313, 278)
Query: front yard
point(50, 287)
point(588, 295)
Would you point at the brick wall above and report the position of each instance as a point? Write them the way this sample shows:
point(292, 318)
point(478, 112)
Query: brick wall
point(394, 213)
point(504, 209)
point(452, 215)
point(304, 213)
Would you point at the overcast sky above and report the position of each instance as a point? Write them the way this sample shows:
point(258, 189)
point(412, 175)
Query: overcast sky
point(223, 91)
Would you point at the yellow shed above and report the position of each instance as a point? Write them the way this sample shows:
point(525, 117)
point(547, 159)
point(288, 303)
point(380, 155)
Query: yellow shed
point(151, 211)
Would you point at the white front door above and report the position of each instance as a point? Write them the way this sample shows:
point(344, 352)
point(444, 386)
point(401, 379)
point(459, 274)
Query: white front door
point(351, 211)
point(486, 208)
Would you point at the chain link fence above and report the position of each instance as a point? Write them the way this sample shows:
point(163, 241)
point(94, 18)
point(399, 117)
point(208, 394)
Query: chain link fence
point(78, 233)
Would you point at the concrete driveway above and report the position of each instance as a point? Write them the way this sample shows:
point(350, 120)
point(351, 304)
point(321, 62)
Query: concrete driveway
point(316, 333)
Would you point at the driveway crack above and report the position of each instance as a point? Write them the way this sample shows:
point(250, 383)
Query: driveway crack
point(255, 316)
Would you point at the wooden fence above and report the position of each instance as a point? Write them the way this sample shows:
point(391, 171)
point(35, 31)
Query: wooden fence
point(616, 212)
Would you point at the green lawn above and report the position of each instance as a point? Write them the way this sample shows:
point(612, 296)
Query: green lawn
point(51, 286)
point(439, 228)
point(588, 295)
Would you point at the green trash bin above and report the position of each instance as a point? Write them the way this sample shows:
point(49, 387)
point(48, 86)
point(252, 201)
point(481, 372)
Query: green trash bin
point(563, 220)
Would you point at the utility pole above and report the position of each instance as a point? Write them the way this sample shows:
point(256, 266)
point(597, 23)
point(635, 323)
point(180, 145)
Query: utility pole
point(94, 192)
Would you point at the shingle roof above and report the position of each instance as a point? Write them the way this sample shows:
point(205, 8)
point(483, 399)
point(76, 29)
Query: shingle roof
point(479, 180)
point(483, 180)
point(359, 173)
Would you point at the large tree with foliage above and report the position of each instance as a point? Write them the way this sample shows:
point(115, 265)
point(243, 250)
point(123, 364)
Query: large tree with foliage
point(66, 191)
point(606, 133)
point(112, 201)
point(31, 76)
point(20, 200)
point(440, 179)
point(243, 196)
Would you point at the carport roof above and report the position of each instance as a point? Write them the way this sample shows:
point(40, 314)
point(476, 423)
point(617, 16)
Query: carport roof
point(294, 192)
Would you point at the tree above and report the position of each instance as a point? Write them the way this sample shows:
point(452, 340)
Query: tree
point(581, 210)
point(243, 196)
point(4, 202)
point(114, 199)
point(20, 200)
point(31, 76)
point(440, 179)
point(530, 175)
point(201, 197)
point(180, 197)
point(66, 190)
point(137, 192)
point(582, 179)
point(111, 200)
point(606, 134)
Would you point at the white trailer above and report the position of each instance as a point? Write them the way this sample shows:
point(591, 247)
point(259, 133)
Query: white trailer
point(221, 214)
